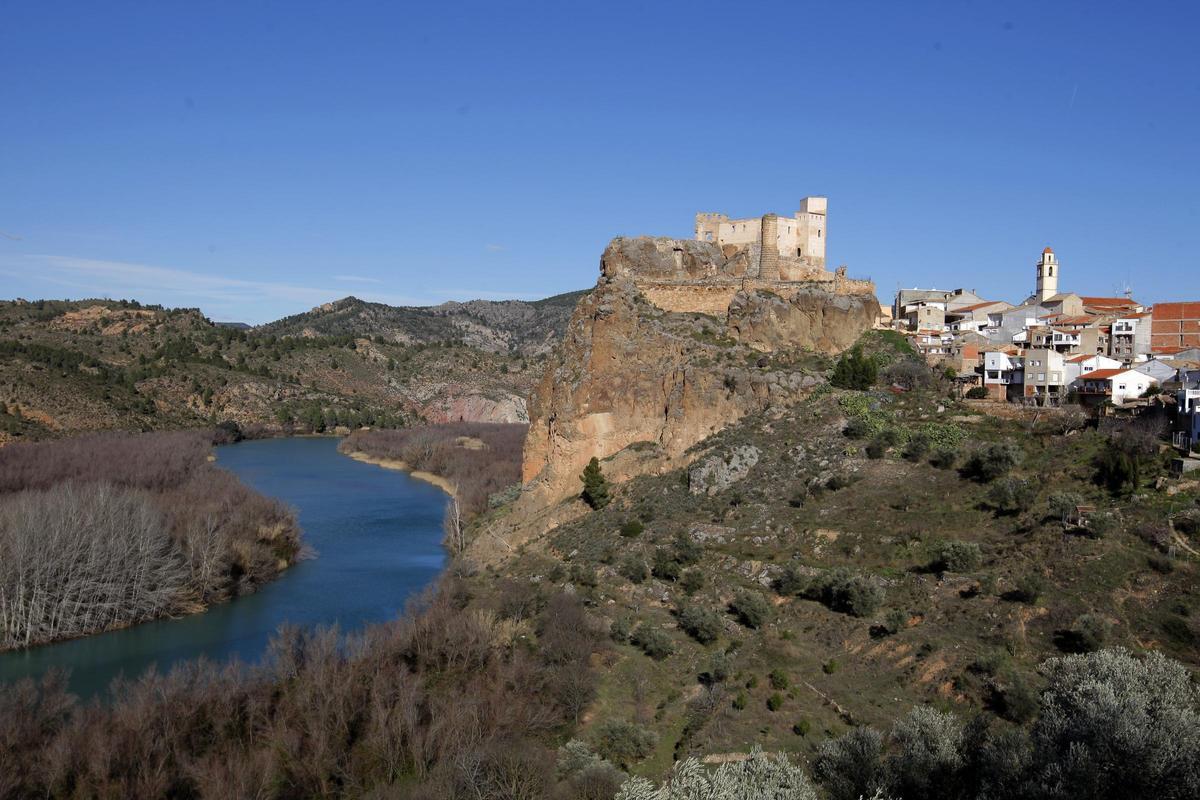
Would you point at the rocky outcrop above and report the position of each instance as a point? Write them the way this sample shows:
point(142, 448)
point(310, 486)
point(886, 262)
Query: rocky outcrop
point(629, 376)
point(718, 472)
point(672, 346)
point(807, 317)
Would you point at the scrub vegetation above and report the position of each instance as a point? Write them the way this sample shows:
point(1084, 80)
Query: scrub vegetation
point(106, 531)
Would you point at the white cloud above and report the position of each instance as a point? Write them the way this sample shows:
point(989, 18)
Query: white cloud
point(494, 248)
point(356, 279)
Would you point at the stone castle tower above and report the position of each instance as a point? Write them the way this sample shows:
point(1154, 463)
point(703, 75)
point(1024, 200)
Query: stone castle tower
point(1047, 276)
point(801, 236)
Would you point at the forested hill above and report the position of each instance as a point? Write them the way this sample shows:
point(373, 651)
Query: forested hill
point(504, 326)
point(71, 366)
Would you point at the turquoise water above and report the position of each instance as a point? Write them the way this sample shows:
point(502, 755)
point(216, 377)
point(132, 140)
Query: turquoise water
point(377, 534)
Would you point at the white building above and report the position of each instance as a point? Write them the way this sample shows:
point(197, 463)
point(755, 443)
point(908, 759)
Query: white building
point(1117, 385)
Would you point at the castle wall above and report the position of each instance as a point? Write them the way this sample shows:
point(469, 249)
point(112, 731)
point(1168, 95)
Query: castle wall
point(714, 297)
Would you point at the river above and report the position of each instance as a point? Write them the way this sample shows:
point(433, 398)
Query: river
point(377, 535)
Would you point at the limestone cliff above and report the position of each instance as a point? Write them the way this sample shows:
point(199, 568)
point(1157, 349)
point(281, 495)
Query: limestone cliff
point(671, 347)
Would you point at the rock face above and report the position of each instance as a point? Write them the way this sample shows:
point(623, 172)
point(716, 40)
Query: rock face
point(809, 318)
point(637, 380)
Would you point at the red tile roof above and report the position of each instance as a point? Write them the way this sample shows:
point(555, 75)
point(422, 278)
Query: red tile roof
point(1103, 374)
point(1109, 301)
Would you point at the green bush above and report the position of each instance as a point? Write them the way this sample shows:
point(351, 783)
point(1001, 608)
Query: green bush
point(619, 630)
point(1029, 588)
point(632, 568)
point(664, 567)
point(1118, 471)
point(1089, 633)
point(955, 556)
point(623, 743)
point(632, 529)
point(751, 609)
point(1012, 495)
point(691, 581)
point(779, 679)
point(854, 371)
point(944, 457)
point(802, 727)
point(977, 393)
point(687, 550)
point(653, 642)
point(775, 702)
point(702, 624)
point(791, 582)
point(720, 667)
point(844, 591)
point(994, 460)
point(741, 701)
point(917, 447)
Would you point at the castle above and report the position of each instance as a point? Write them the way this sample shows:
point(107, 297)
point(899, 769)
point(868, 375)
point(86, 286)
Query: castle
point(799, 240)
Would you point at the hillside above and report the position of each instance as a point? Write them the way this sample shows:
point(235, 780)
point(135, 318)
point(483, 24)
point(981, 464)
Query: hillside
point(506, 326)
point(68, 366)
point(835, 563)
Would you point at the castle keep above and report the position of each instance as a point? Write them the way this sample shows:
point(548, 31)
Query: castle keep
point(799, 238)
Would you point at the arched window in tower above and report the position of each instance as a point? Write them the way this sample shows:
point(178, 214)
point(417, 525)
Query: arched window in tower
point(1050, 271)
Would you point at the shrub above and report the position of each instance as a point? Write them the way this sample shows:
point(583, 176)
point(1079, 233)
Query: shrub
point(702, 624)
point(850, 767)
point(1117, 470)
point(757, 778)
point(977, 393)
point(844, 591)
point(664, 565)
point(877, 448)
point(909, 373)
point(751, 608)
point(1087, 634)
point(632, 568)
point(720, 667)
point(926, 752)
point(791, 582)
point(741, 701)
point(854, 371)
point(802, 727)
point(632, 529)
point(1029, 588)
point(917, 447)
point(1018, 701)
point(831, 666)
point(595, 485)
point(623, 743)
point(775, 702)
point(958, 556)
point(1113, 725)
point(779, 679)
point(1012, 495)
point(994, 460)
point(944, 457)
point(653, 642)
point(619, 629)
point(686, 549)
point(691, 581)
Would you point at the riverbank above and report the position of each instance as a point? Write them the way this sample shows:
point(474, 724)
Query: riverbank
point(391, 463)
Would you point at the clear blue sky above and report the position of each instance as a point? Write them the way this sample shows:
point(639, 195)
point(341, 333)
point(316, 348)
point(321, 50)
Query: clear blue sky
point(256, 159)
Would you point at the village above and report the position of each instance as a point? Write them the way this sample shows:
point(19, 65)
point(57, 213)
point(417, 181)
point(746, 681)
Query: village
point(1109, 355)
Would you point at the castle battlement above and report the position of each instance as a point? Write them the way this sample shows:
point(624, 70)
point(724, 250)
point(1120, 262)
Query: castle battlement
point(799, 239)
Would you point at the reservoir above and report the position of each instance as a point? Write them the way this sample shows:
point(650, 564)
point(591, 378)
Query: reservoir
point(377, 536)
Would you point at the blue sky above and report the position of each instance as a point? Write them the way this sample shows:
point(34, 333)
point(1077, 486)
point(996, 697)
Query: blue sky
point(256, 159)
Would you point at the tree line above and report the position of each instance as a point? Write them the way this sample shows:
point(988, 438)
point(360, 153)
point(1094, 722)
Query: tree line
point(105, 531)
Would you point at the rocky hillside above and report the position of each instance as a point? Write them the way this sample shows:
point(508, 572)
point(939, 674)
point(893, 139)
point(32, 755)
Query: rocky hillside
point(105, 365)
point(634, 376)
point(832, 564)
point(508, 326)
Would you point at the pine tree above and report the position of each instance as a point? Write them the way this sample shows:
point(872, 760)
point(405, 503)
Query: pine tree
point(595, 485)
point(854, 371)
